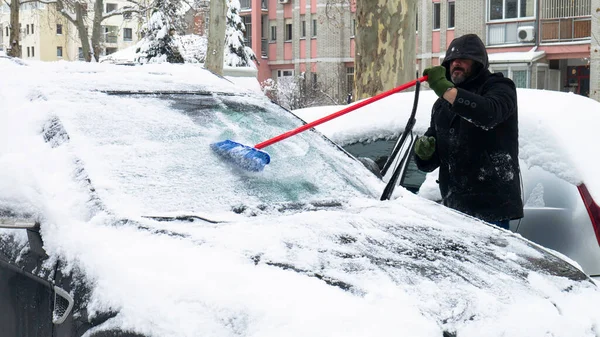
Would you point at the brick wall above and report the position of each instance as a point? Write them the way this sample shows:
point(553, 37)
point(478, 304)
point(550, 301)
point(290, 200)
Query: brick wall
point(470, 18)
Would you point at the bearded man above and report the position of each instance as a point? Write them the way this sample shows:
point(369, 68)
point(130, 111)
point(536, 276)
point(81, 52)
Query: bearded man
point(473, 136)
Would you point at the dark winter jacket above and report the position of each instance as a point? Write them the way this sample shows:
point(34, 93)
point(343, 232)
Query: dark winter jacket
point(477, 147)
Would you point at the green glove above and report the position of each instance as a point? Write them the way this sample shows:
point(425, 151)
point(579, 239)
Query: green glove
point(436, 77)
point(425, 147)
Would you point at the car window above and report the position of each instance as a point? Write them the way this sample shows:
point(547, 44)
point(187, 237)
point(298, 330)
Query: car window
point(379, 151)
point(413, 178)
point(153, 153)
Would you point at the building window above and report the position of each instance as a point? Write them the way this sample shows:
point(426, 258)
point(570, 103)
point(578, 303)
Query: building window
point(350, 79)
point(58, 29)
point(273, 33)
point(80, 52)
point(417, 21)
point(127, 34)
point(288, 32)
point(314, 28)
point(59, 52)
point(6, 31)
point(313, 79)
point(111, 7)
point(510, 9)
point(353, 27)
point(436, 15)
point(32, 51)
point(28, 31)
point(28, 55)
point(520, 78)
point(32, 28)
point(285, 73)
point(127, 15)
point(451, 15)
point(303, 28)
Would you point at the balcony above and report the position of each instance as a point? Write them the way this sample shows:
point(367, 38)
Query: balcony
point(506, 32)
point(566, 29)
point(111, 38)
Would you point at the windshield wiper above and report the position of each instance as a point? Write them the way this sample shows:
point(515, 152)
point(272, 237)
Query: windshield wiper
point(190, 218)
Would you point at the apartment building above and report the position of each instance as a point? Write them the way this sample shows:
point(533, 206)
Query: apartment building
point(543, 44)
point(302, 37)
point(47, 35)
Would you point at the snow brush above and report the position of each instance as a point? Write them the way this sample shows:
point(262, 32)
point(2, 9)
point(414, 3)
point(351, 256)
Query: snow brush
point(255, 160)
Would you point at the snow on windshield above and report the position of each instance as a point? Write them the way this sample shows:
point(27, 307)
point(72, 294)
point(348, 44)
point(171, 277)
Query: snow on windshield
point(554, 128)
point(148, 155)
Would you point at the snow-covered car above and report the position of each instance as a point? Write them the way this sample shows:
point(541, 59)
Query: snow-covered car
point(129, 225)
point(561, 187)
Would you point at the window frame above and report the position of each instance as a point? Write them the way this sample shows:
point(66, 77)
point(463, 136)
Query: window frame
point(313, 30)
point(436, 16)
point(59, 29)
point(289, 32)
point(59, 52)
point(273, 35)
point(451, 15)
point(518, 17)
point(303, 28)
point(125, 37)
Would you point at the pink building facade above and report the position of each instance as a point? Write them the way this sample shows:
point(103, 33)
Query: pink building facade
point(543, 44)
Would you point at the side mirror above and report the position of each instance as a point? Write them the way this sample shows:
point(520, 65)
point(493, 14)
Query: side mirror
point(371, 165)
point(17, 223)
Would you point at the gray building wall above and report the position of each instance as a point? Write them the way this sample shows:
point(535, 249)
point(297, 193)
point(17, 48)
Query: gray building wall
point(333, 47)
point(470, 18)
point(595, 52)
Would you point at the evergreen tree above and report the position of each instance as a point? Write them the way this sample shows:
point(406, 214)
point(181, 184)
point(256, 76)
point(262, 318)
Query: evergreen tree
point(237, 54)
point(158, 44)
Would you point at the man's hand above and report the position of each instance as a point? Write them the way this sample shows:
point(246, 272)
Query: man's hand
point(425, 147)
point(436, 77)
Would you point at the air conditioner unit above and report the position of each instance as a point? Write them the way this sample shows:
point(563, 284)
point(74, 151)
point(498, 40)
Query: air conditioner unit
point(526, 34)
point(283, 1)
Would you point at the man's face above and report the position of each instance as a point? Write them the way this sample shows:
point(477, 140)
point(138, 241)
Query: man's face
point(460, 70)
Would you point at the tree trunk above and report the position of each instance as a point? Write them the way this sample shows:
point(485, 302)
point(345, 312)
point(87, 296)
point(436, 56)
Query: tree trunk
point(216, 37)
point(97, 29)
point(15, 31)
point(385, 45)
point(82, 32)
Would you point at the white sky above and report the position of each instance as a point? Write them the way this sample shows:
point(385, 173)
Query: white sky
point(412, 263)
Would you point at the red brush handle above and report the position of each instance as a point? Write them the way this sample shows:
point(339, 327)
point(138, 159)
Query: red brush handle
point(337, 114)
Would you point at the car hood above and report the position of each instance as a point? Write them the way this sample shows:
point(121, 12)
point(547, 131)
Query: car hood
point(371, 268)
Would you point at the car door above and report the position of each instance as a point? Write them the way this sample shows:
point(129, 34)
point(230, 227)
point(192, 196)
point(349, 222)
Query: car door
point(26, 303)
point(30, 305)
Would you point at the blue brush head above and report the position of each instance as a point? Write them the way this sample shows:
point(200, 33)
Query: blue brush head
point(246, 157)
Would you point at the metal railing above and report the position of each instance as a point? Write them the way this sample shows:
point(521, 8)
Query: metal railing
point(565, 29)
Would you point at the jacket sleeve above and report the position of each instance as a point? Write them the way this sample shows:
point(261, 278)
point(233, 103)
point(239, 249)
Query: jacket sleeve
point(496, 104)
point(434, 161)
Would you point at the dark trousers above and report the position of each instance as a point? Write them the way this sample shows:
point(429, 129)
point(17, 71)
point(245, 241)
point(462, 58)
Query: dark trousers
point(501, 223)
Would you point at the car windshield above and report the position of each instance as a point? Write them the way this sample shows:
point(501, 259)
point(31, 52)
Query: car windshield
point(151, 152)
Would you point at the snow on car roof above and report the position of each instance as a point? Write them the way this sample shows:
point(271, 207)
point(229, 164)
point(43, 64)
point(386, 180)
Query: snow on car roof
point(407, 266)
point(556, 129)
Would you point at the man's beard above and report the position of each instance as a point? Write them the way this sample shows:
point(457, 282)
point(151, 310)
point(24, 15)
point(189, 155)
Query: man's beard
point(460, 77)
